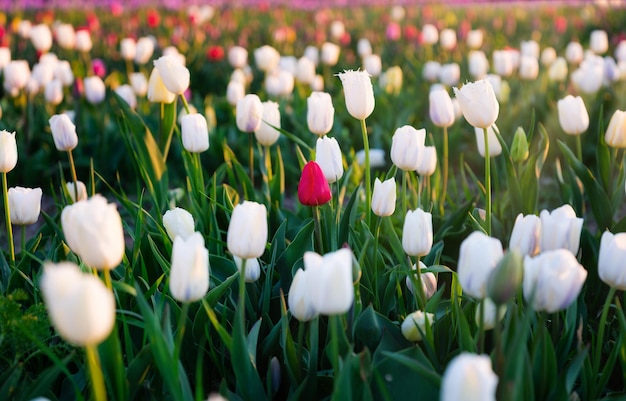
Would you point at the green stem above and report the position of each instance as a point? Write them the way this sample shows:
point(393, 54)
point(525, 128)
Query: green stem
point(95, 373)
point(318, 229)
point(74, 176)
point(334, 343)
point(251, 157)
point(7, 215)
point(487, 181)
point(375, 270)
point(404, 202)
point(268, 176)
point(242, 293)
point(419, 291)
point(444, 192)
point(180, 334)
point(185, 104)
point(481, 328)
point(107, 279)
point(579, 148)
point(600, 339)
point(23, 242)
point(368, 183)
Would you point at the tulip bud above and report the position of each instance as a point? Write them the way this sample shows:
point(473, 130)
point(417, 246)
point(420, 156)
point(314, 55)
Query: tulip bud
point(305, 70)
point(83, 41)
point(41, 37)
point(430, 34)
point(247, 230)
point(82, 191)
point(478, 103)
point(526, 235)
point(449, 74)
point(235, 91)
point(469, 377)
point(616, 131)
point(330, 279)
point(548, 56)
point(175, 76)
point(428, 165)
point(266, 58)
point(493, 314)
point(475, 39)
point(299, 299)
point(429, 280)
point(157, 91)
point(417, 233)
point(358, 92)
point(313, 188)
point(249, 113)
point(415, 325)
point(574, 53)
point(80, 306)
point(599, 41)
point(610, 261)
point(478, 65)
point(5, 56)
point(313, 54)
point(384, 197)
point(407, 147)
point(328, 157)
point(63, 73)
point(128, 48)
point(528, 68)
point(552, 280)
point(391, 80)
point(195, 133)
point(95, 90)
point(189, 276)
point(377, 158)
point(430, 71)
point(8, 151)
point(506, 278)
point(144, 50)
point(447, 39)
point(127, 94)
point(560, 229)
point(279, 83)
point(266, 134)
point(373, 64)
point(139, 83)
point(253, 269)
point(494, 145)
point(63, 132)
point(238, 57)
point(478, 256)
point(503, 63)
point(440, 107)
point(329, 54)
point(16, 75)
point(320, 113)
point(178, 223)
point(363, 47)
point(519, 148)
point(25, 205)
point(66, 36)
point(53, 92)
point(93, 230)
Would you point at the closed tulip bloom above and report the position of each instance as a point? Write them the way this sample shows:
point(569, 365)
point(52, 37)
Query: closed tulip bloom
point(475, 39)
point(560, 229)
point(66, 36)
point(329, 157)
point(492, 315)
point(610, 262)
point(528, 68)
point(234, 92)
point(247, 230)
point(95, 90)
point(195, 133)
point(358, 92)
point(407, 147)
point(42, 74)
point(363, 47)
point(503, 63)
point(478, 65)
point(548, 56)
point(238, 56)
point(8, 151)
point(373, 64)
point(526, 235)
point(599, 41)
point(178, 223)
point(139, 83)
point(494, 145)
point(175, 76)
point(16, 75)
point(469, 377)
point(440, 107)
point(253, 268)
point(266, 134)
point(41, 37)
point(391, 80)
point(558, 70)
point(329, 54)
point(447, 39)
point(53, 92)
point(80, 306)
point(313, 188)
point(573, 115)
point(82, 191)
point(415, 324)
point(384, 197)
point(288, 63)
point(377, 158)
point(320, 113)
point(430, 34)
point(127, 93)
point(157, 91)
point(429, 280)
point(417, 233)
point(128, 48)
point(574, 52)
point(63, 132)
point(83, 41)
point(478, 256)
point(189, 276)
point(529, 48)
point(330, 280)
point(449, 74)
point(93, 230)
point(428, 165)
point(144, 50)
point(313, 54)
point(63, 72)
point(25, 205)
point(589, 76)
point(430, 71)
point(616, 131)
point(552, 280)
point(249, 113)
point(478, 103)
point(5, 57)
point(305, 70)
point(299, 299)
point(317, 85)
point(266, 58)
point(279, 83)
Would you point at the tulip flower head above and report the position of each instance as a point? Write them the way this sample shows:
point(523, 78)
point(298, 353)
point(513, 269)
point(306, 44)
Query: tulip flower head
point(249, 113)
point(174, 74)
point(25, 205)
point(8, 151)
point(428, 165)
point(331, 289)
point(189, 276)
point(384, 197)
point(478, 103)
point(81, 191)
point(417, 233)
point(478, 256)
point(247, 230)
point(178, 223)
point(494, 145)
point(492, 314)
point(560, 229)
point(320, 113)
point(266, 134)
point(63, 132)
point(157, 91)
point(195, 133)
point(299, 299)
point(526, 235)
point(616, 131)
point(358, 92)
point(328, 156)
point(95, 90)
point(313, 188)
point(610, 262)
point(440, 107)
point(469, 377)
point(407, 147)
point(253, 268)
point(429, 280)
point(414, 326)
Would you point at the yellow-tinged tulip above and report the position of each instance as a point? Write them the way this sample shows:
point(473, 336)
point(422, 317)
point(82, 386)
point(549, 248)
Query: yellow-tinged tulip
point(157, 92)
point(174, 74)
point(415, 324)
point(178, 223)
point(616, 131)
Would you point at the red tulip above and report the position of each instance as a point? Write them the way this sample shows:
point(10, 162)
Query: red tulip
point(313, 189)
point(215, 53)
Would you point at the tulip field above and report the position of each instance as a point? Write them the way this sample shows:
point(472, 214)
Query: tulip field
point(262, 202)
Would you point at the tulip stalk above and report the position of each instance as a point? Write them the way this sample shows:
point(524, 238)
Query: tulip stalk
point(74, 176)
point(481, 327)
point(487, 181)
point(95, 373)
point(180, 334)
point(444, 191)
point(318, 229)
point(368, 183)
point(7, 214)
point(600, 338)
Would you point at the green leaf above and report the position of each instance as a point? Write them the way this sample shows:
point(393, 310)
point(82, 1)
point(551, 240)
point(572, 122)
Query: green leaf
point(301, 243)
